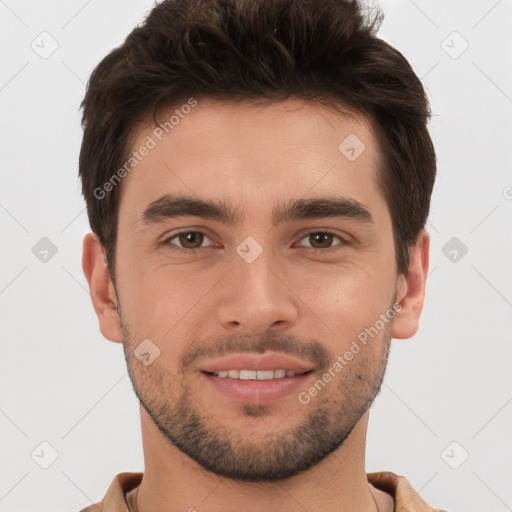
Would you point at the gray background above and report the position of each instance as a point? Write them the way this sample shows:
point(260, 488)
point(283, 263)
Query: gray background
point(447, 392)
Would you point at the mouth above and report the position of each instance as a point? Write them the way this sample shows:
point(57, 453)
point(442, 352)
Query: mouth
point(255, 387)
point(258, 375)
point(255, 379)
point(251, 366)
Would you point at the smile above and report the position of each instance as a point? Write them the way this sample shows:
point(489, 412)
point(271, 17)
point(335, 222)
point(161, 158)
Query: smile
point(255, 374)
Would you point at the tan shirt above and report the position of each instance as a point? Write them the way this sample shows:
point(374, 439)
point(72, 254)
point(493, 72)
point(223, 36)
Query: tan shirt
point(405, 497)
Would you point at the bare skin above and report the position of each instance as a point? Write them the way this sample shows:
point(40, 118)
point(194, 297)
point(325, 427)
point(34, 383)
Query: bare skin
point(253, 158)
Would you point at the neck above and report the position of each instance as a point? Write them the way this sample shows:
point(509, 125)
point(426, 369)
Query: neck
point(174, 482)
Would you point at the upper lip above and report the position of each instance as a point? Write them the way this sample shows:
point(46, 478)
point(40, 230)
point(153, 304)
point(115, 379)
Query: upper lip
point(267, 361)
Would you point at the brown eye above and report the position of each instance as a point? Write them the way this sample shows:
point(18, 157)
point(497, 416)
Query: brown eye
point(191, 240)
point(187, 241)
point(322, 240)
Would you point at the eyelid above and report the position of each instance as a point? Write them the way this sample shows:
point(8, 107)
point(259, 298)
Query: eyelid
point(168, 237)
point(332, 231)
point(179, 231)
point(344, 239)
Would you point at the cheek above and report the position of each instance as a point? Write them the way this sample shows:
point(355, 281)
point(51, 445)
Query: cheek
point(160, 299)
point(348, 302)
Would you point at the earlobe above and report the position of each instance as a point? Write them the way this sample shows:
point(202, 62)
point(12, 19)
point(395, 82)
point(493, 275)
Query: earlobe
point(101, 289)
point(411, 290)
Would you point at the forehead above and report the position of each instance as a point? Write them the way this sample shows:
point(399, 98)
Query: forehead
point(233, 151)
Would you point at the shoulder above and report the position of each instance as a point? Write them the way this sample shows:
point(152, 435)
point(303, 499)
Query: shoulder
point(114, 499)
point(406, 498)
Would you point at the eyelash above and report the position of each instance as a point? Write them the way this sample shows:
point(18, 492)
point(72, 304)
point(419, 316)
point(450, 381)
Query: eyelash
point(315, 250)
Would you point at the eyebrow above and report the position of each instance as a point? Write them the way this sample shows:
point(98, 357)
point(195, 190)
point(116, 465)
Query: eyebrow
point(172, 206)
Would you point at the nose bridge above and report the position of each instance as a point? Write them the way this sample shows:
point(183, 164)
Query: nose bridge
point(254, 295)
point(256, 274)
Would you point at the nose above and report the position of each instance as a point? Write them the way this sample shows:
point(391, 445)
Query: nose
point(256, 297)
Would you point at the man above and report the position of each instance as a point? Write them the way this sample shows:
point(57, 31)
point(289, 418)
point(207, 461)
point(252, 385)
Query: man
point(258, 177)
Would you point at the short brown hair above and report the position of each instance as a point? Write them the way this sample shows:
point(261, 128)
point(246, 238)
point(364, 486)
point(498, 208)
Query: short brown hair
point(322, 51)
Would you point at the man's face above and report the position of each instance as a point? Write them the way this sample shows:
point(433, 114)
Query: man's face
point(207, 290)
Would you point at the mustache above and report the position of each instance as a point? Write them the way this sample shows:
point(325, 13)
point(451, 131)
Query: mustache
point(311, 351)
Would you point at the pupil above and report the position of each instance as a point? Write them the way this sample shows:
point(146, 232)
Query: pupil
point(189, 238)
point(327, 237)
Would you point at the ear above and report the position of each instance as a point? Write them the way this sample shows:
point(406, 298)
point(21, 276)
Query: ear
point(101, 288)
point(411, 290)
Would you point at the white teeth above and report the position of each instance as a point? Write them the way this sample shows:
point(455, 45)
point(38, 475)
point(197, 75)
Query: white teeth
point(255, 374)
point(265, 374)
point(247, 374)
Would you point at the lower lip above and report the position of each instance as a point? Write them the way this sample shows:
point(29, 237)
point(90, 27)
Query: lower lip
point(257, 392)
